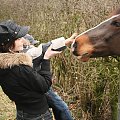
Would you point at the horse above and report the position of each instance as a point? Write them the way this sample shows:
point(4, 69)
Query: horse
point(100, 41)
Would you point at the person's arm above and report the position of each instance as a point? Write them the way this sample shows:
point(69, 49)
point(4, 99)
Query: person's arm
point(39, 82)
point(70, 40)
point(60, 44)
point(35, 52)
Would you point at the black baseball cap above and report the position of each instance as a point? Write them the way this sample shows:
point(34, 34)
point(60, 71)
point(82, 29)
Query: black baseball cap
point(10, 31)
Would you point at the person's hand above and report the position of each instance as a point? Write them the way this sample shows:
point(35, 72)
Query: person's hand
point(50, 53)
point(71, 39)
point(26, 42)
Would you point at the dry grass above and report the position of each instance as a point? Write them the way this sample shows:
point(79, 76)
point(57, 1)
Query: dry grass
point(7, 107)
point(90, 89)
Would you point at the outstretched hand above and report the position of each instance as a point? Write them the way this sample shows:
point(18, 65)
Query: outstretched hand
point(71, 39)
point(50, 53)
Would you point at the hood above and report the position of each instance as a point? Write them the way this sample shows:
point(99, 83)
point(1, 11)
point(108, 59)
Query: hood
point(7, 60)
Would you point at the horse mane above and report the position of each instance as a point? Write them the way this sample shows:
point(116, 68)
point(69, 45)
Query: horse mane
point(115, 12)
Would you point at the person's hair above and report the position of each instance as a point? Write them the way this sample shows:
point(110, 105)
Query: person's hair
point(7, 47)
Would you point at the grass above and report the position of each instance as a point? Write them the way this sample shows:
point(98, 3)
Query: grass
point(91, 88)
point(7, 107)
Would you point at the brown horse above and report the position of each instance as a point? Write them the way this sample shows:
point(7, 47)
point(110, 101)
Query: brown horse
point(100, 41)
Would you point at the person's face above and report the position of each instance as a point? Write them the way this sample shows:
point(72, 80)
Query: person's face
point(18, 44)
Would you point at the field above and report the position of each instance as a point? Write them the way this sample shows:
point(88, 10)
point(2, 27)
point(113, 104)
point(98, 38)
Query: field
point(7, 107)
point(90, 89)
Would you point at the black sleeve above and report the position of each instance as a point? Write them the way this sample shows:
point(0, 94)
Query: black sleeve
point(38, 61)
point(41, 81)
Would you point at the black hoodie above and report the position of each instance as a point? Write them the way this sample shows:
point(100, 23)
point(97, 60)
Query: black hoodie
point(22, 84)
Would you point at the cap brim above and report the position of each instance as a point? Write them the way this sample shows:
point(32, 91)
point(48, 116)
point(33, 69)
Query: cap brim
point(3, 30)
point(23, 31)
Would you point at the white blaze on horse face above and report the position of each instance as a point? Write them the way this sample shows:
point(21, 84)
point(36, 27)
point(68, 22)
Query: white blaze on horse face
point(72, 48)
point(98, 25)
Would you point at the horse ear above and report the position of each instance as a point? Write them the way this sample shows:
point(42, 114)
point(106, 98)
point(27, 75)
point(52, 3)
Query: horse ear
point(116, 23)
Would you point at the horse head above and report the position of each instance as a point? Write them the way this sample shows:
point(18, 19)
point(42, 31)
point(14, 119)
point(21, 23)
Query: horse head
point(101, 40)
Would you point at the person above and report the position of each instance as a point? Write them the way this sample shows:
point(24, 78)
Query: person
point(59, 107)
point(19, 81)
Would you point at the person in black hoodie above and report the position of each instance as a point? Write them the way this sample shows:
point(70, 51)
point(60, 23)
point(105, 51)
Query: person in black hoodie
point(19, 81)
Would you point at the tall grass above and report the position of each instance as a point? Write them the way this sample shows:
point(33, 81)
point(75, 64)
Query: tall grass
point(90, 89)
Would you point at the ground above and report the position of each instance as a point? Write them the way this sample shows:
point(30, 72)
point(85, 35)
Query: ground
point(7, 107)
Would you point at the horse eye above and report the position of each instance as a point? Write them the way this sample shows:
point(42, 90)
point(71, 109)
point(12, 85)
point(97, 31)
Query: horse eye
point(116, 23)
